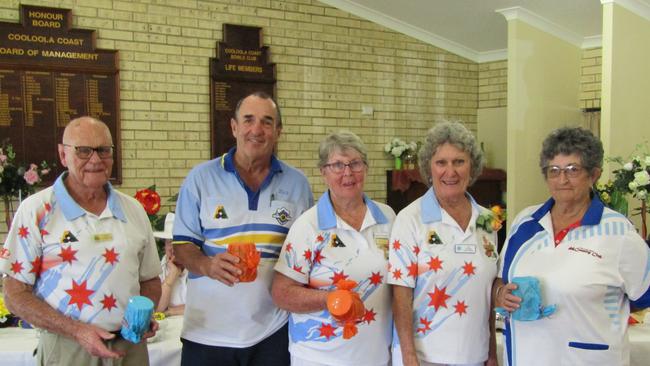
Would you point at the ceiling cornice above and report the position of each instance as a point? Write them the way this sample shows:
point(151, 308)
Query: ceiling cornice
point(404, 28)
point(638, 7)
point(592, 42)
point(541, 23)
point(496, 55)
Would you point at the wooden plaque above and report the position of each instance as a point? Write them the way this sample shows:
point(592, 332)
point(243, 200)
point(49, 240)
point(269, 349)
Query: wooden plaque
point(239, 69)
point(50, 74)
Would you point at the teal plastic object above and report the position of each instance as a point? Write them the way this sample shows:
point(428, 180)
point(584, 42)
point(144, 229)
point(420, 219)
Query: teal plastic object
point(137, 318)
point(531, 307)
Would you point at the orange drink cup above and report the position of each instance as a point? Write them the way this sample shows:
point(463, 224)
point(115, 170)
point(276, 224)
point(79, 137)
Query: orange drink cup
point(249, 259)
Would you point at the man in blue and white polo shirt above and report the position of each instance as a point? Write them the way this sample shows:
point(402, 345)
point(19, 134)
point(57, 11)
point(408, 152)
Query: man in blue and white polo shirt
point(245, 196)
point(76, 252)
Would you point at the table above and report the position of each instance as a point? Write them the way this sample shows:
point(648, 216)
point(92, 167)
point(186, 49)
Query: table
point(17, 345)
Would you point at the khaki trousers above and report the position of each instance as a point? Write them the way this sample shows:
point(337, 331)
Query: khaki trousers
point(54, 349)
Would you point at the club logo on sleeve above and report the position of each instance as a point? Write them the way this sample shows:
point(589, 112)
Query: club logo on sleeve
point(282, 215)
point(220, 213)
point(68, 237)
point(336, 242)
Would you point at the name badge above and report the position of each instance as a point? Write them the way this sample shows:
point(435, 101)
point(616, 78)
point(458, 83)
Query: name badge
point(103, 237)
point(465, 248)
point(382, 243)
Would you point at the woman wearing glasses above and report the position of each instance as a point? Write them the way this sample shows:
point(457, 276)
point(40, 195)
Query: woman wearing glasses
point(589, 260)
point(443, 259)
point(331, 273)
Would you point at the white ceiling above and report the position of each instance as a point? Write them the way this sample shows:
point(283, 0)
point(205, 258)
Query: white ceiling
point(475, 29)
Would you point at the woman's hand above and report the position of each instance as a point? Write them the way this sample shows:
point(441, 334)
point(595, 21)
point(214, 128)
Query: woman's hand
point(505, 299)
point(173, 272)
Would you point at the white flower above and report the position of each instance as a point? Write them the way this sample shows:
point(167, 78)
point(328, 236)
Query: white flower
point(642, 178)
point(642, 194)
point(633, 185)
point(647, 160)
point(628, 166)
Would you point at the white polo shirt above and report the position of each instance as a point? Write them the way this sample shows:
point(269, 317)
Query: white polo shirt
point(83, 265)
point(451, 273)
point(322, 249)
point(590, 275)
point(215, 209)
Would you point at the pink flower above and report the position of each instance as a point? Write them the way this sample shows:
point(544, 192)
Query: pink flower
point(45, 172)
point(33, 166)
point(3, 158)
point(31, 177)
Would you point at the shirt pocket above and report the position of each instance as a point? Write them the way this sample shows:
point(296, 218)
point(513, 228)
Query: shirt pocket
point(586, 353)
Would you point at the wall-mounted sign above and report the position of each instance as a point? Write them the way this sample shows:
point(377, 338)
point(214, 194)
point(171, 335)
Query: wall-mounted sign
point(240, 68)
point(50, 74)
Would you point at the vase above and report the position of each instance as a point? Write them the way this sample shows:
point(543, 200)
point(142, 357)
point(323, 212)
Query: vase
point(398, 163)
point(410, 160)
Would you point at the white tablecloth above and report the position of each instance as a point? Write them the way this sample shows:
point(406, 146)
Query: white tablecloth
point(17, 345)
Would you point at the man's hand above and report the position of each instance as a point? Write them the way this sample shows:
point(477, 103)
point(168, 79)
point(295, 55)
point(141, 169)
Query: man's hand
point(221, 267)
point(91, 338)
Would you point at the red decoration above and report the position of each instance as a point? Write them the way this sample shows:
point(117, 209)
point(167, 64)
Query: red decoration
point(149, 199)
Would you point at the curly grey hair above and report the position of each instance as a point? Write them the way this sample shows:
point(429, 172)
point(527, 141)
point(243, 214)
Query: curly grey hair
point(573, 140)
point(341, 141)
point(454, 133)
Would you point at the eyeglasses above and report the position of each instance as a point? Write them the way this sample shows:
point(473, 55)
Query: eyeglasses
point(338, 167)
point(85, 152)
point(571, 171)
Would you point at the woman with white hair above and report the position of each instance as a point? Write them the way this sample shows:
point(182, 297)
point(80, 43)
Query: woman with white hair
point(443, 259)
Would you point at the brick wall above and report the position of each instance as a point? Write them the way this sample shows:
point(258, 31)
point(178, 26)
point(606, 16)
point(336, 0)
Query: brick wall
point(329, 65)
point(590, 79)
point(493, 84)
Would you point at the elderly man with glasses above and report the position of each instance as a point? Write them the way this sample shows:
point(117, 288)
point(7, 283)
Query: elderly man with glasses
point(78, 250)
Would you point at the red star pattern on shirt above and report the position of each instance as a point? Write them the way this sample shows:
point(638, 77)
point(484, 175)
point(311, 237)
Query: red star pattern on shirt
point(307, 255)
point(375, 278)
point(416, 250)
point(426, 325)
point(289, 247)
point(109, 302)
point(318, 256)
point(67, 254)
point(320, 238)
point(435, 264)
point(111, 256)
point(47, 207)
point(413, 269)
point(327, 330)
point(23, 231)
point(396, 245)
point(16, 267)
point(468, 269)
point(461, 308)
point(439, 298)
point(44, 232)
point(79, 294)
point(397, 274)
point(297, 269)
point(369, 316)
point(338, 276)
point(36, 265)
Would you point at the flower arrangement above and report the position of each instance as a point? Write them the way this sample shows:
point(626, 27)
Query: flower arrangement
point(398, 148)
point(150, 200)
point(17, 181)
point(633, 178)
point(491, 220)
